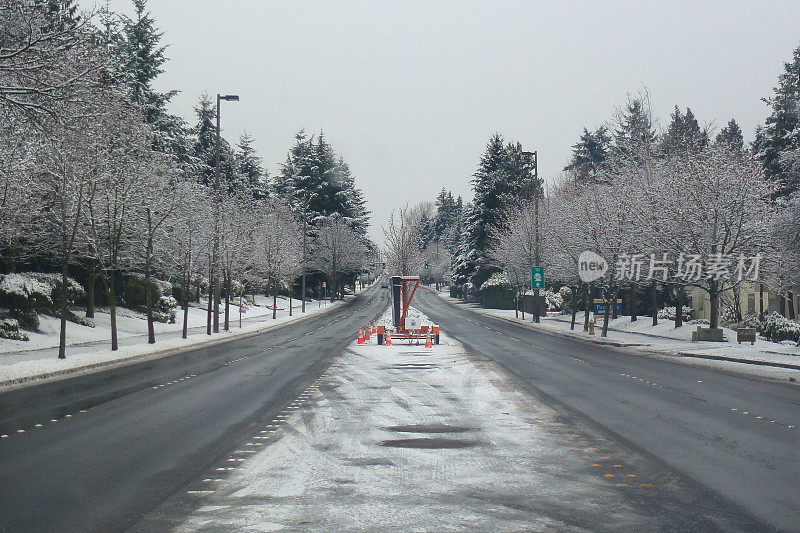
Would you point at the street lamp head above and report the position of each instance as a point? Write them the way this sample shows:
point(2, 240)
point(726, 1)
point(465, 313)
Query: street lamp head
point(230, 97)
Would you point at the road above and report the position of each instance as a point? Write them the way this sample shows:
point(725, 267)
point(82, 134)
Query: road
point(99, 451)
point(734, 435)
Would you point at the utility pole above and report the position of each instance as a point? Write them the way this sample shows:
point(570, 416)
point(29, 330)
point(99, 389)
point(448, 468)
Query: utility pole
point(534, 189)
point(217, 201)
point(305, 233)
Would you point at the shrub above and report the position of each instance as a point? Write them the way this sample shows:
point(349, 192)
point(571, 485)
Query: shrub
point(555, 300)
point(19, 291)
point(9, 329)
point(778, 328)
point(669, 313)
point(26, 317)
point(133, 291)
point(164, 309)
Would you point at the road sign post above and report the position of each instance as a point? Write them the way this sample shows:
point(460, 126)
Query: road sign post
point(537, 282)
point(537, 277)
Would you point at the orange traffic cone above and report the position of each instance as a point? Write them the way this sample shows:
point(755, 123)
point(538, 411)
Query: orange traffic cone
point(428, 341)
point(360, 335)
point(388, 338)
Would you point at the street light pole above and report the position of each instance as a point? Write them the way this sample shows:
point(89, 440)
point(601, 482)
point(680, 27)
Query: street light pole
point(535, 189)
point(217, 201)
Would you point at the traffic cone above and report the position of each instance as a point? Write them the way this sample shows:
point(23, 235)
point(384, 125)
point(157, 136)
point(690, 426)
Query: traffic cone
point(360, 335)
point(428, 340)
point(388, 338)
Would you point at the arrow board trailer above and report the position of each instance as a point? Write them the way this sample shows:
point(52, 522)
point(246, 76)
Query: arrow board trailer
point(402, 291)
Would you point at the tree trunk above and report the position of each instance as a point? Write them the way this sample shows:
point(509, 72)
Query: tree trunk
point(574, 306)
point(112, 307)
point(587, 305)
point(148, 292)
point(210, 303)
point(62, 338)
point(761, 301)
point(791, 305)
point(632, 303)
point(185, 332)
point(290, 301)
point(713, 295)
point(227, 278)
point(274, 299)
point(679, 307)
point(516, 306)
point(654, 301)
point(90, 286)
point(522, 305)
point(607, 314)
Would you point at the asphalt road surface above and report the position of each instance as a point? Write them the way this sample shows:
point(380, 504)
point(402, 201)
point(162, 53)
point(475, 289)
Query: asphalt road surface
point(99, 451)
point(735, 436)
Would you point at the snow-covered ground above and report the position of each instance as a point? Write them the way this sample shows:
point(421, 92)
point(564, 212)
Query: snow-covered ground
point(664, 339)
point(405, 438)
point(91, 346)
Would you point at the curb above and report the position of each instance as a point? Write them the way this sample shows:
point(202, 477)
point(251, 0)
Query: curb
point(737, 360)
point(754, 362)
point(21, 382)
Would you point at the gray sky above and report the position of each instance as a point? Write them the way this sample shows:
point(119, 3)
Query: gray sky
point(409, 92)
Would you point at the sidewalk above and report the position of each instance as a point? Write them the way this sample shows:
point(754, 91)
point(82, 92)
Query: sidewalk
point(89, 348)
point(663, 339)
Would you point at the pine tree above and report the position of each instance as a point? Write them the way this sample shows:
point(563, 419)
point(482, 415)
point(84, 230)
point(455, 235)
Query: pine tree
point(731, 137)
point(776, 137)
point(683, 134)
point(253, 176)
point(319, 183)
point(634, 135)
point(589, 155)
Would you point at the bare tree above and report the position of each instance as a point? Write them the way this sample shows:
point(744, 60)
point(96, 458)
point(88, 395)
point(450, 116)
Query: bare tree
point(338, 249)
point(403, 244)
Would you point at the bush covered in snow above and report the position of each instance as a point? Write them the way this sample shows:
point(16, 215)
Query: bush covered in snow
point(496, 292)
point(670, 312)
point(778, 328)
point(24, 291)
point(555, 300)
point(133, 291)
point(498, 279)
point(164, 309)
point(28, 293)
point(9, 329)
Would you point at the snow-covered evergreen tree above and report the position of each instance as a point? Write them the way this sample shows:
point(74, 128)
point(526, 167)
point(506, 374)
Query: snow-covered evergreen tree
point(779, 135)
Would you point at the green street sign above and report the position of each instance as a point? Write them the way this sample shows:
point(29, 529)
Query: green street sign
point(537, 277)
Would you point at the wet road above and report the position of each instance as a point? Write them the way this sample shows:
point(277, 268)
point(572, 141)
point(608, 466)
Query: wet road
point(408, 438)
point(734, 435)
point(97, 452)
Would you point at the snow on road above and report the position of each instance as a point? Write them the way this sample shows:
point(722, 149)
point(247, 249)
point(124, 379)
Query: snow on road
point(408, 438)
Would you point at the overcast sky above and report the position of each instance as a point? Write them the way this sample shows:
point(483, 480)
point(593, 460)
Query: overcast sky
point(410, 92)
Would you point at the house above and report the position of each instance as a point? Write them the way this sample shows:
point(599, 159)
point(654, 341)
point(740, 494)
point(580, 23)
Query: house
point(753, 298)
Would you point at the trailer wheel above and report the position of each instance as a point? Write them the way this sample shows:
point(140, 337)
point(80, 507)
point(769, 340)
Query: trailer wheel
point(380, 338)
